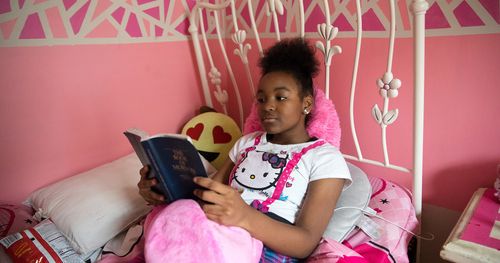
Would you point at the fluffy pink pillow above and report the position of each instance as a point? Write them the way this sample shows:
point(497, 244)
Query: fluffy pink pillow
point(181, 232)
point(324, 122)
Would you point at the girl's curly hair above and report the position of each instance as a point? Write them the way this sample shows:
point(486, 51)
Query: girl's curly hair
point(294, 56)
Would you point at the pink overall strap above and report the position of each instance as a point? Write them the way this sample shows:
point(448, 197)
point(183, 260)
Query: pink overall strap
point(243, 154)
point(264, 206)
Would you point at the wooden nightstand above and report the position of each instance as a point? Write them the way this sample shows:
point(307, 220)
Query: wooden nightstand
point(476, 236)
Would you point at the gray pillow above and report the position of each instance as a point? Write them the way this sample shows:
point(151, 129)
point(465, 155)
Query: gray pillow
point(350, 206)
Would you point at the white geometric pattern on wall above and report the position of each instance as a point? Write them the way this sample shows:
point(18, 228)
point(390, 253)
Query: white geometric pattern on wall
point(52, 22)
point(62, 22)
point(463, 17)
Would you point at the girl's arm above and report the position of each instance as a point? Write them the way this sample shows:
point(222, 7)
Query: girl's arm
point(297, 240)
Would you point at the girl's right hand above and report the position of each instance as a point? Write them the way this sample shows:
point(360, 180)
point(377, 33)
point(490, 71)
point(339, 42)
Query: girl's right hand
point(145, 188)
point(223, 204)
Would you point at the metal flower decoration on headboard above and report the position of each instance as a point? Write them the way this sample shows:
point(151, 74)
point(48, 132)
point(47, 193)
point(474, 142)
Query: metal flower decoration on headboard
point(239, 38)
point(214, 75)
point(220, 94)
point(328, 33)
point(388, 86)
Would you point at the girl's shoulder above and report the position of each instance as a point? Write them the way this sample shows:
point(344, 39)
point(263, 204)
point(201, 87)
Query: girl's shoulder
point(326, 154)
point(326, 147)
point(326, 161)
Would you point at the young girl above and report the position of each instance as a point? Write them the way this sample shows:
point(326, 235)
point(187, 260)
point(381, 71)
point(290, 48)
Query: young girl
point(280, 185)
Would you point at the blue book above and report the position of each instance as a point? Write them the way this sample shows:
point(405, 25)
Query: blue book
point(173, 161)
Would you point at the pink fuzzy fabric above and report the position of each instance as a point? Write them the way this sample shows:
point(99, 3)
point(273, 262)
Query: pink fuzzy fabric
point(331, 251)
point(324, 122)
point(180, 232)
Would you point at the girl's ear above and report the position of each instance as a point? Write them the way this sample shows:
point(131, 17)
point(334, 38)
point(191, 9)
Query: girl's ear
point(308, 103)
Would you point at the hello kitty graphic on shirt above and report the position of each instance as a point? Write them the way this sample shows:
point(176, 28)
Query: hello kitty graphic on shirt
point(265, 175)
point(260, 171)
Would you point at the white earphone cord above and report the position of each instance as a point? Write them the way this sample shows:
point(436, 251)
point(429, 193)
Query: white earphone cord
point(430, 236)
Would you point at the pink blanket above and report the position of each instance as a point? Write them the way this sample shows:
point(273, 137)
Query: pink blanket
point(181, 232)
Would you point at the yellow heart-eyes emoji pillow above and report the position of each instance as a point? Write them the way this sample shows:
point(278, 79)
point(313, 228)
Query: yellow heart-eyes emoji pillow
point(213, 134)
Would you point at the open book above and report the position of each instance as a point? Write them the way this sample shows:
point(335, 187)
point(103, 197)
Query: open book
point(172, 160)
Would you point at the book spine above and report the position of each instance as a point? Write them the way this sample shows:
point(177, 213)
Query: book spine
point(154, 165)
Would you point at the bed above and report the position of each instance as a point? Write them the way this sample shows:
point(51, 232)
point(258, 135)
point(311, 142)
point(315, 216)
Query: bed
point(227, 38)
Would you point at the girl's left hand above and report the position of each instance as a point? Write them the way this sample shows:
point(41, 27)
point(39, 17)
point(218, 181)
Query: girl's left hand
point(224, 204)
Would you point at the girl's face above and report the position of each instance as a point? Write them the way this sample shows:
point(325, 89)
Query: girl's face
point(281, 107)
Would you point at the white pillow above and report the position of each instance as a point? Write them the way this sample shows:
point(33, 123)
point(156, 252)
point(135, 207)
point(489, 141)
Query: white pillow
point(350, 205)
point(92, 207)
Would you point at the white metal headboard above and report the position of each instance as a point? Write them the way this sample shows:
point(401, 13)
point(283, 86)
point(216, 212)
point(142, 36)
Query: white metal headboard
point(388, 83)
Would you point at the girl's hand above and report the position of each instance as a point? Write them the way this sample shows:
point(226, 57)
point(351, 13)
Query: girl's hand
point(145, 188)
point(224, 204)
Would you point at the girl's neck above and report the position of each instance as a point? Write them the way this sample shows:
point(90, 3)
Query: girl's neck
point(288, 139)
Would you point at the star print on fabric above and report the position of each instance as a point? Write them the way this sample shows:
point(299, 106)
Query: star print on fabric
point(384, 201)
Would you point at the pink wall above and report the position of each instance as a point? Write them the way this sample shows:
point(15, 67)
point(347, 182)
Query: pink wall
point(462, 131)
point(462, 117)
point(462, 109)
point(64, 108)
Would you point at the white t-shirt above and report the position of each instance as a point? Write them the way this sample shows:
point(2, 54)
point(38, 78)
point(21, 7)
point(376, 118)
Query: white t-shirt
point(262, 166)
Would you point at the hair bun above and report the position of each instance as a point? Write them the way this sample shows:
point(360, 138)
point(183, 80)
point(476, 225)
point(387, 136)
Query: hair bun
point(294, 55)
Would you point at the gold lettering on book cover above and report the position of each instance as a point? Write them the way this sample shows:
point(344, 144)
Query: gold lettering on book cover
point(182, 162)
